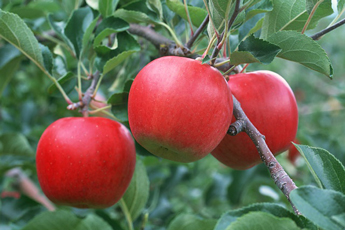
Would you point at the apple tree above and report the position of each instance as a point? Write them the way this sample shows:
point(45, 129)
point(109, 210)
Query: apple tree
point(172, 114)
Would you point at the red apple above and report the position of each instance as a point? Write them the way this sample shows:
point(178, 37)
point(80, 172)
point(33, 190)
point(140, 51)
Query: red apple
point(269, 103)
point(293, 153)
point(179, 108)
point(85, 162)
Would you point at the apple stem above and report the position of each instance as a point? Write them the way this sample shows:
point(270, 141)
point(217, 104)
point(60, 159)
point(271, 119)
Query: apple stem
point(278, 174)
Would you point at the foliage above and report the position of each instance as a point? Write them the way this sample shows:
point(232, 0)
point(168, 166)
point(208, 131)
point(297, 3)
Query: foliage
point(48, 47)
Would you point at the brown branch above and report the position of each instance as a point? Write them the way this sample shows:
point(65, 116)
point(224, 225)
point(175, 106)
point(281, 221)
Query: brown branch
point(203, 25)
point(231, 22)
point(278, 174)
point(318, 35)
point(149, 34)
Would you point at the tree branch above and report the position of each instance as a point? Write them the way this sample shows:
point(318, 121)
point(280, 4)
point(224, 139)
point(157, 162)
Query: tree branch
point(318, 35)
point(203, 25)
point(278, 174)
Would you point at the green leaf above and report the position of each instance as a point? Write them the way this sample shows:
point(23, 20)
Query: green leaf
point(65, 220)
point(156, 6)
point(137, 194)
point(326, 169)
point(108, 26)
point(15, 31)
point(274, 209)
point(107, 7)
point(47, 58)
point(292, 15)
point(323, 207)
point(93, 4)
point(119, 102)
point(67, 82)
point(136, 12)
point(259, 7)
point(341, 5)
point(306, 51)
point(77, 26)
point(87, 34)
point(59, 27)
point(127, 45)
point(262, 221)
point(197, 14)
point(221, 6)
point(261, 50)
point(189, 221)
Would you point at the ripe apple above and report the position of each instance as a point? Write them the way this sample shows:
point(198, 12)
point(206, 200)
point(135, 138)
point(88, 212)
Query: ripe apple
point(293, 153)
point(85, 162)
point(179, 108)
point(269, 103)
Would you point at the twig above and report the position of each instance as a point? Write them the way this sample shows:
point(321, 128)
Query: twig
point(318, 35)
point(203, 25)
point(278, 174)
point(231, 22)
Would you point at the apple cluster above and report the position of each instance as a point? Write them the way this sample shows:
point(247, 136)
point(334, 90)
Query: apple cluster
point(181, 109)
point(178, 109)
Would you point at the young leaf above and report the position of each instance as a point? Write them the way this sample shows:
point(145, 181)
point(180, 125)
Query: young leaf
point(262, 221)
point(306, 51)
point(259, 49)
point(137, 193)
point(189, 221)
point(197, 14)
point(259, 7)
point(77, 26)
point(274, 209)
point(326, 169)
point(14, 30)
point(107, 7)
point(323, 207)
point(65, 220)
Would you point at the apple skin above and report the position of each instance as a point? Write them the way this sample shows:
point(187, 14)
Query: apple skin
point(270, 105)
point(85, 162)
point(179, 109)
